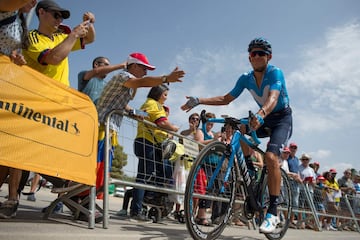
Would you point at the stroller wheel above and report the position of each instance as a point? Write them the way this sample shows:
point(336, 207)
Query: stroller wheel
point(181, 216)
point(154, 214)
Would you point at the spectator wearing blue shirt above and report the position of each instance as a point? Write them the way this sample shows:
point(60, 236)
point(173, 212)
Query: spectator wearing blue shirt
point(294, 164)
point(92, 82)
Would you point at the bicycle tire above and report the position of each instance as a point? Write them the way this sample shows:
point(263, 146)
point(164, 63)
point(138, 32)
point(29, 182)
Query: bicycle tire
point(284, 205)
point(195, 228)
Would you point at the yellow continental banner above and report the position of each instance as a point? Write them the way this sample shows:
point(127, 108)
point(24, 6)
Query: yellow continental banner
point(45, 126)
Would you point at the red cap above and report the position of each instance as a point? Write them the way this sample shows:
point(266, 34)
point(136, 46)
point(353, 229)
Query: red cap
point(293, 144)
point(320, 178)
point(316, 163)
point(332, 170)
point(140, 58)
point(286, 150)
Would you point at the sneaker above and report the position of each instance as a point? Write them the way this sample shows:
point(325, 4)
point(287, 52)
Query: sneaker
point(31, 197)
point(332, 228)
point(269, 224)
point(58, 208)
point(8, 209)
point(139, 217)
point(121, 213)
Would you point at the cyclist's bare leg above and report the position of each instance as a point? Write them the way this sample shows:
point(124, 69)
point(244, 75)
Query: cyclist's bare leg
point(274, 173)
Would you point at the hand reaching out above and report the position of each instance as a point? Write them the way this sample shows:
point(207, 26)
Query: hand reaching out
point(88, 16)
point(175, 75)
point(17, 58)
point(191, 103)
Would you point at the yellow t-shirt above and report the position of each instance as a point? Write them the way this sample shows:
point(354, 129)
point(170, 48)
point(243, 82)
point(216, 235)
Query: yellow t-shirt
point(40, 45)
point(334, 189)
point(156, 113)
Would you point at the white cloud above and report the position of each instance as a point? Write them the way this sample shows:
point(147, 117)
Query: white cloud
point(327, 81)
point(324, 91)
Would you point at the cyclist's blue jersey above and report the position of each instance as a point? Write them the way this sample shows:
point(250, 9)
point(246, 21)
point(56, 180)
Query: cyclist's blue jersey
point(273, 80)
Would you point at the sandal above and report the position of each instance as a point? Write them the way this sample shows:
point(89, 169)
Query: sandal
point(202, 221)
point(239, 223)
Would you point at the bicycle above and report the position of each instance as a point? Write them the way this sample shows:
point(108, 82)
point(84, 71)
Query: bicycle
point(217, 161)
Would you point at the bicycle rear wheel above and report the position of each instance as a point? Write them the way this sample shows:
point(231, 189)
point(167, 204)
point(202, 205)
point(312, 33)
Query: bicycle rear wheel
point(206, 182)
point(284, 205)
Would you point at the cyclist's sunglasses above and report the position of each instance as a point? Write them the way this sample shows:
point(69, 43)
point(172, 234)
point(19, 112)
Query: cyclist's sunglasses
point(259, 53)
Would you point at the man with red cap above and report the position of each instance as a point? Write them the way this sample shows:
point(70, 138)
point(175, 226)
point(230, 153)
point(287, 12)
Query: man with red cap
point(118, 92)
point(122, 87)
point(319, 198)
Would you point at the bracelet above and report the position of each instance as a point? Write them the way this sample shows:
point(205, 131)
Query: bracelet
point(262, 109)
point(164, 79)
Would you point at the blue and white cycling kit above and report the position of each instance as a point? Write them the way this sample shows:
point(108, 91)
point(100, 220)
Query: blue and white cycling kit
point(279, 121)
point(273, 80)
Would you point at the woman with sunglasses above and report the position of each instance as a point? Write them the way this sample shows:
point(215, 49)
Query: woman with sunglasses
point(194, 121)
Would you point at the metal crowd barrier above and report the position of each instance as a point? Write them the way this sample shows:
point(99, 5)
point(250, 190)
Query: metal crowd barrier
point(317, 206)
point(126, 138)
point(312, 215)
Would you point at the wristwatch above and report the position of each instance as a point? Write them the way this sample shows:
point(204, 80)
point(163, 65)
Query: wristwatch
point(164, 79)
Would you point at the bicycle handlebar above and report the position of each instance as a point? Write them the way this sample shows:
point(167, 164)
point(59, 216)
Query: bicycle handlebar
point(234, 122)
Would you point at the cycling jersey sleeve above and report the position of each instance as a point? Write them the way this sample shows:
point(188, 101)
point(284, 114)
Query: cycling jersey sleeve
point(276, 79)
point(239, 87)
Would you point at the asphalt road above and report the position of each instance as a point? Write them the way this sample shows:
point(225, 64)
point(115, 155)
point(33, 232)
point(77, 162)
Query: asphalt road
point(29, 225)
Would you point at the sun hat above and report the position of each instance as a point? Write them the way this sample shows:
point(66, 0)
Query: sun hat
point(51, 5)
point(305, 156)
point(140, 58)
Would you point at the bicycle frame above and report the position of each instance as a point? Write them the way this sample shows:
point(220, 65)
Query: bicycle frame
point(236, 151)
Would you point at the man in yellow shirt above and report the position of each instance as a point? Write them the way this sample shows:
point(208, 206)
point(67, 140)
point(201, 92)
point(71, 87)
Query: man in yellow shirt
point(50, 45)
point(52, 42)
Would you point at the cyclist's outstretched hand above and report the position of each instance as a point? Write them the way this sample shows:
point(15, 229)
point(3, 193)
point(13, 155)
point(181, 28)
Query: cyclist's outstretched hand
point(191, 103)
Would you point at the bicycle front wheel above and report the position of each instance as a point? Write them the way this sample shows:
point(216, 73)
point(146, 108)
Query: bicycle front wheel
point(211, 182)
point(284, 205)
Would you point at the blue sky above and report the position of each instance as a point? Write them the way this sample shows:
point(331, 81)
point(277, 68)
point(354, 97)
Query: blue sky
point(315, 43)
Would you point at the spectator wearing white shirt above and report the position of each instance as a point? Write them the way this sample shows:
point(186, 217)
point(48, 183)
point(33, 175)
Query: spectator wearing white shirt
point(308, 177)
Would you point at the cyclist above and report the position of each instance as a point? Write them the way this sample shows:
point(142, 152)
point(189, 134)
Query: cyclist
point(266, 84)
